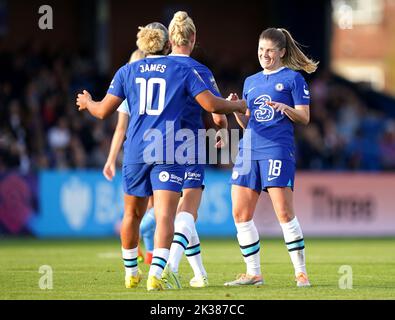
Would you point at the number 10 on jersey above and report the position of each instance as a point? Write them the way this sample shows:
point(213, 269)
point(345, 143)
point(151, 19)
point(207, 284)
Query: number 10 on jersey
point(147, 95)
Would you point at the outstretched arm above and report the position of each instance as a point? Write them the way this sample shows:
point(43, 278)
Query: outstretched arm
point(214, 104)
point(99, 109)
point(116, 143)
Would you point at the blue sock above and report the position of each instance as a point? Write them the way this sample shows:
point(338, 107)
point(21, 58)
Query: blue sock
point(147, 229)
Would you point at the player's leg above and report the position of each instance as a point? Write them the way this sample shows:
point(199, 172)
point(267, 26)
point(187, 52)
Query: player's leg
point(147, 230)
point(244, 202)
point(193, 253)
point(186, 238)
point(187, 213)
point(246, 188)
point(137, 187)
point(282, 199)
point(164, 232)
point(134, 211)
point(167, 184)
point(278, 178)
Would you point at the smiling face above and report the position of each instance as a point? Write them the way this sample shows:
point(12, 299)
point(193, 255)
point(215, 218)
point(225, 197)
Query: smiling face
point(269, 55)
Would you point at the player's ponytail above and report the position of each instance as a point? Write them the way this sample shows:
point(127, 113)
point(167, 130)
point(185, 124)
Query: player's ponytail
point(294, 58)
point(136, 55)
point(153, 38)
point(181, 29)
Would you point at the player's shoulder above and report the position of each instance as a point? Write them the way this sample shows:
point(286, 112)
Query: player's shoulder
point(292, 74)
point(198, 65)
point(124, 68)
point(254, 77)
point(177, 62)
point(190, 62)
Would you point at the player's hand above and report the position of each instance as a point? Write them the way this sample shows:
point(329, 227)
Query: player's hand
point(83, 99)
point(278, 106)
point(233, 97)
point(222, 138)
point(243, 107)
point(243, 103)
point(109, 171)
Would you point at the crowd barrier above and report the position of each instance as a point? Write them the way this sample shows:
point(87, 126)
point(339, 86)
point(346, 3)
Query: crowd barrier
point(84, 204)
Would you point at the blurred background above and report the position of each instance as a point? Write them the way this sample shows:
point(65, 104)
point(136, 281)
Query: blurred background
point(51, 155)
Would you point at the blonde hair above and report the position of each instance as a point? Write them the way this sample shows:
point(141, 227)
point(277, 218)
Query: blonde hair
point(136, 55)
point(294, 58)
point(152, 39)
point(181, 28)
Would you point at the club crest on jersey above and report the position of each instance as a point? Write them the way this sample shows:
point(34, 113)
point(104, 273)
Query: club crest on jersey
point(264, 111)
point(279, 86)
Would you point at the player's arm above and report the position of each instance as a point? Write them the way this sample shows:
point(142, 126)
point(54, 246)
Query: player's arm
point(214, 104)
point(116, 143)
point(221, 122)
point(299, 114)
point(99, 109)
point(242, 119)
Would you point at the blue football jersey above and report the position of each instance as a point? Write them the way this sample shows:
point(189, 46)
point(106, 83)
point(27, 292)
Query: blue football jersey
point(192, 116)
point(157, 89)
point(271, 134)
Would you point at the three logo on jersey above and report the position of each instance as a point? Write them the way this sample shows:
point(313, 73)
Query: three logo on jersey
point(264, 111)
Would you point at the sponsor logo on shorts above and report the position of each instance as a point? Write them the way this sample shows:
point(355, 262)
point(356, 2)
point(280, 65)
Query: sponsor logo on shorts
point(235, 175)
point(176, 179)
point(164, 176)
point(193, 176)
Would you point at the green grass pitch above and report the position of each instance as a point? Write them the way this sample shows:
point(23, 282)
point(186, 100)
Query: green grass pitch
point(93, 269)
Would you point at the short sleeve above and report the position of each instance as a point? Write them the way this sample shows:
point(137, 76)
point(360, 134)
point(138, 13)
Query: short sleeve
point(116, 87)
point(194, 82)
point(245, 89)
point(209, 80)
point(124, 107)
point(300, 91)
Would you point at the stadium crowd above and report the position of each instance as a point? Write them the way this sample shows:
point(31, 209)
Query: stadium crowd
point(40, 127)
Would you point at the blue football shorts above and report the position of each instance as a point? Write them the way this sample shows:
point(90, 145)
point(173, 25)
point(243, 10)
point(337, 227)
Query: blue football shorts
point(142, 179)
point(263, 174)
point(194, 176)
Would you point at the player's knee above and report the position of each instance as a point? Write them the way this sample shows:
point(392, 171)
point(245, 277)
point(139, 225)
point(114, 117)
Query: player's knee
point(242, 215)
point(284, 214)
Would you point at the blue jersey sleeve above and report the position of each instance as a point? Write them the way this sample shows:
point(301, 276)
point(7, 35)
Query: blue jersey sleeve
point(194, 82)
point(116, 87)
point(209, 80)
point(246, 88)
point(300, 91)
point(124, 107)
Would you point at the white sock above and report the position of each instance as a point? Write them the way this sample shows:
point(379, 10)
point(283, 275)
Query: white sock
point(183, 226)
point(130, 261)
point(159, 260)
point(293, 237)
point(248, 237)
point(194, 256)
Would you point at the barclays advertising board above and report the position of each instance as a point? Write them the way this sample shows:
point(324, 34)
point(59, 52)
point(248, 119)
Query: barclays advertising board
point(84, 204)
